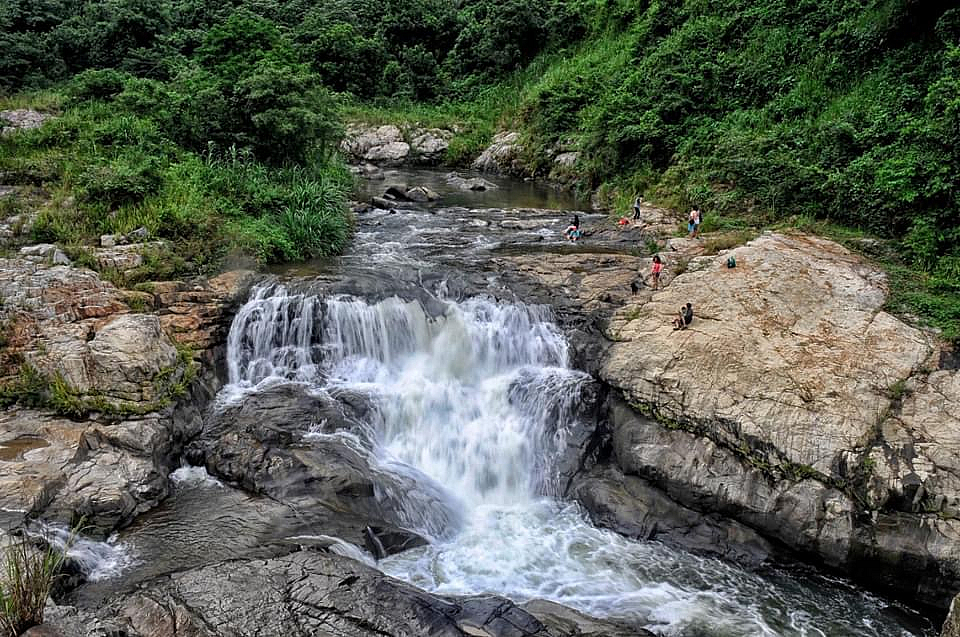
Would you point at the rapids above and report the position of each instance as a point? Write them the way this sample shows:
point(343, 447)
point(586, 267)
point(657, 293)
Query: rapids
point(474, 398)
point(479, 397)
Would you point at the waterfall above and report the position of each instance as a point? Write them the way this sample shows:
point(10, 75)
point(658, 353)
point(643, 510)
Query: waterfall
point(273, 336)
point(473, 403)
point(478, 398)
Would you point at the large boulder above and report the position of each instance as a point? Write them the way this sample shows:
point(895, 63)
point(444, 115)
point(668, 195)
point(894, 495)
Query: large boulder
point(793, 409)
point(389, 145)
point(75, 348)
point(313, 450)
point(121, 363)
point(791, 349)
point(106, 473)
point(502, 156)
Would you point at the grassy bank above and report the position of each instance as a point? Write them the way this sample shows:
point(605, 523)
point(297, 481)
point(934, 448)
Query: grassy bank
point(105, 166)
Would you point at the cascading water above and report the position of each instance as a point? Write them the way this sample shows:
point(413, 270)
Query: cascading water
point(478, 399)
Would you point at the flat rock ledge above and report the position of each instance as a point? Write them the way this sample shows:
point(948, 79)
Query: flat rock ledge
point(315, 593)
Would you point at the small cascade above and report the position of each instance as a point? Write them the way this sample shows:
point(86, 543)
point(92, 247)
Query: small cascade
point(273, 336)
point(96, 560)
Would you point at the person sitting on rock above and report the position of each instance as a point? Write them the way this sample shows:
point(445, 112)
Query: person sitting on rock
point(684, 318)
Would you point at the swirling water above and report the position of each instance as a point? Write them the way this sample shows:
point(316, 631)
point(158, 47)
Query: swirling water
point(479, 398)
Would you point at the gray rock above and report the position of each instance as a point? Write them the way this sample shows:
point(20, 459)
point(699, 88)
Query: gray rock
point(472, 183)
point(42, 250)
point(21, 119)
point(566, 160)
point(501, 156)
point(388, 145)
point(138, 235)
point(310, 592)
point(422, 194)
point(567, 622)
point(951, 625)
point(314, 451)
point(390, 153)
point(59, 258)
point(635, 508)
point(108, 240)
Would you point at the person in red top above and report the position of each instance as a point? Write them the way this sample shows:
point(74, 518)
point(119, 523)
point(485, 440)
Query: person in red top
point(656, 270)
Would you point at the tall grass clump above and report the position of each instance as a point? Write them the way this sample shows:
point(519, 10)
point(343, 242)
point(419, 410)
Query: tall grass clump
point(28, 575)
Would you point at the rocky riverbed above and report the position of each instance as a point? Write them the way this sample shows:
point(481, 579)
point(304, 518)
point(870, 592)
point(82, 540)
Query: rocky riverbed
point(793, 420)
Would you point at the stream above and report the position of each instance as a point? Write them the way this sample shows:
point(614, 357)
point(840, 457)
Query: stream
point(475, 396)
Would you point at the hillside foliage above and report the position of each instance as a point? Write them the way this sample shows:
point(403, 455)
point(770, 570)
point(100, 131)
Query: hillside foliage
point(846, 111)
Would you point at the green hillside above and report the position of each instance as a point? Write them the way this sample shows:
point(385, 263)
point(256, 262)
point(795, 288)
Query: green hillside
point(764, 112)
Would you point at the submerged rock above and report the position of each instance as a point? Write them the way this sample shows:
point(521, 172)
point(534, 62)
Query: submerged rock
point(477, 184)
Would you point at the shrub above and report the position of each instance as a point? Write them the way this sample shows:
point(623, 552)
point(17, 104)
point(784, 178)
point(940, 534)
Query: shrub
point(96, 84)
point(126, 180)
point(27, 577)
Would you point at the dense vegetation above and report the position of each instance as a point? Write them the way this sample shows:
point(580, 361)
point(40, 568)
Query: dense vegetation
point(761, 112)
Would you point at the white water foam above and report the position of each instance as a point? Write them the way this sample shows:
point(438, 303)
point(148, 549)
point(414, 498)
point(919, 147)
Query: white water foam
point(96, 560)
point(190, 476)
point(477, 401)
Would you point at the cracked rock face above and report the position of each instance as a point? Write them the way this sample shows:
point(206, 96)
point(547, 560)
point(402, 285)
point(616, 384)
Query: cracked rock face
point(75, 328)
point(791, 348)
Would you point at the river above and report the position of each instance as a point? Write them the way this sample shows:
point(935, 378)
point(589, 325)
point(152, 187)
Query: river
point(475, 396)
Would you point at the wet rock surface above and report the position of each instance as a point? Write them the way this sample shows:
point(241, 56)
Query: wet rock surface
point(313, 592)
point(312, 451)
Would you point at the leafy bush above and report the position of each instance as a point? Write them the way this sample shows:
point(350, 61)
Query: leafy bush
point(97, 84)
point(126, 180)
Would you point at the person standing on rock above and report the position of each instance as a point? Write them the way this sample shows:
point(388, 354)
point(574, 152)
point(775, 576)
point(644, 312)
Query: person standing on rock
point(655, 271)
point(696, 217)
point(636, 209)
